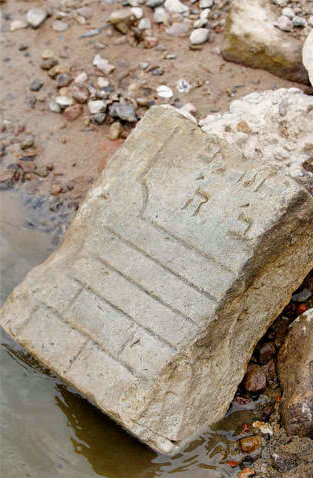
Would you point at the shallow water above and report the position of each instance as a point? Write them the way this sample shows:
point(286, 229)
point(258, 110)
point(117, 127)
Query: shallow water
point(50, 431)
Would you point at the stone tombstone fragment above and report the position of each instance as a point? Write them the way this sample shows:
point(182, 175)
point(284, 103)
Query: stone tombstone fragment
point(179, 259)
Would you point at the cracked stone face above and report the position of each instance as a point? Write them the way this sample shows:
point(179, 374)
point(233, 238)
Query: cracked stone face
point(177, 262)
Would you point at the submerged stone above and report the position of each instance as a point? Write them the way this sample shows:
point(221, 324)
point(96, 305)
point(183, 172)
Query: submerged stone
point(164, 282)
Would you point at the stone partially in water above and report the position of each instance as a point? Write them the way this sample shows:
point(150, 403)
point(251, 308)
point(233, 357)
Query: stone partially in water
point(164, 282)
point(253, 40)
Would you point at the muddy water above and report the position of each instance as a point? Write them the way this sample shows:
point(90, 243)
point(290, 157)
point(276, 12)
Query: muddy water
point(47, 429)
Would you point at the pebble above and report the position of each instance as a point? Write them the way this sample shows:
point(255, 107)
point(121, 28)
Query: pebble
point(280, 3)
point(36, 85)
point(115, 130)
point(98, 118)
point(255, 379)
point(73, 112)
point(122, 19)
point(91, 33)
point(54, 107)
point(35, 17)
point(178, 29)
point(288, 12)
point(206, 3)
point(63, 79)
point(246, 473)
point(85, 12)
point(299, 22)
point(250, 444)
point(176, 6)
point(160, 15)
point(154, 3)
point(150, 42)
point(103, 65)
point(302, 296)
point(124, 112)
point(28, 142)
point(48, 64)
point(199, 36)
point(46, 54)
point(102, 82)
point(17, 25)
point(164, 91)
point(267, 352)
point(137, 12)
point(183, 86)
point(284, 24)
point(144, 24)
point(81, 78)
point(265, 428)
point(97, 106)
point(59, 26)
point(64, 101)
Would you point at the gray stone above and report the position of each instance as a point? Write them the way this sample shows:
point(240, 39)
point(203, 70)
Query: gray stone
point(36, 84)
point(164, 282)
point(288, 12)
point(284, 24)
point(97, 106)
point(154, 3)
point(103, 64)
point(199, 36)
point(295, 370)
point(176, 6)
point(278, 130)
point(64, 101)
point(35, 17)
point(299, 22)
point(307, 55)
point(123, 111)
point(252, 39)
point(178, 29)
point(160, 15)
point(144, 24)
point(60, 26)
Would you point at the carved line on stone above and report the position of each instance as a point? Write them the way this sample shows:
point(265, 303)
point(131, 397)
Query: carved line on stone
point(143, 289)
point(184, 243)
point(128, 317)
point(83, 332)
point(81, 349)
point(156, 261)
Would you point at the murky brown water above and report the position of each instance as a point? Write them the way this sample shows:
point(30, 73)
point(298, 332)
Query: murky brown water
point(48, 430)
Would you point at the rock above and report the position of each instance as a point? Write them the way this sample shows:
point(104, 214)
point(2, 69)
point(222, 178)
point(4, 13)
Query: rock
point(81, 77)
point(183, 86)
point(199, 36)
point(115, 130)
point(85, 12)
point(102, 64)
point(299, 22)
point(288, 12)
point(47, 54)
point(164, 281)
point(160, 15)
point(54, 107)
point(7, 179)
point(98, 118)
point(36, 85)
point(73, 112)
point(150, 42)
point(154, 3)
point(176, 6)
point(17, 25)
point(250, 444)
point(80, 94)
point(284, 24)
point(307, 55)
point(28, 142)
point(280, 141)
point(246, 472)
point(206, 3)
point(164, 91)
point(59, 26)
point(35, 17)
point(122, 19)
point(144, 24)
point(252, 40)
point(295, 372)
point(266, 352)
point(137, 12)
point(103, 82)
point(178, 29)
point(64, 101)
point(97, 106)
point(48, 64)
point(63, 79)
point(125, 112)
point(255, 379)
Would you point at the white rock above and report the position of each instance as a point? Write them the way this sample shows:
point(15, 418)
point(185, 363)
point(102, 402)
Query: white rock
point(164, 91)
point(204, 15)
point(96, 106)
point(144, 24)
point(160, 15)
point(183, 86)
point(35, 17)
point(176, 6)
point(59, 26)
point(199, 36)
point(280, 3)
point(299, 22)
point(288, 12)
point(81, 77)
point(64, 101)
point(284, 24)
point(137, 12)
point(54, 107)
point(307, 55)
point(102, 82)
point(206, 3)
point(17, 25)
point(103, 65)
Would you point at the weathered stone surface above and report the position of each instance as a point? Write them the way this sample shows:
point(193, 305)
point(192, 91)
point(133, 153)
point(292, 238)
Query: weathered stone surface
point(180, 257)
point(295, 368)
point(274, 127)
point(307, 55)
point(252, 39)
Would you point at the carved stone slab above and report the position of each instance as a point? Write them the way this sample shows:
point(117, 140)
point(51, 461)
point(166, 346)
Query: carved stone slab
point(178, 260)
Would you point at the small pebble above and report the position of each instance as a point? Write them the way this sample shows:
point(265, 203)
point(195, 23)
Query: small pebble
point(199, 36)
point(284, 24)
point(73, 112)
point(17, 25)
point(115, 130)
point(299, 22)
point(250, 444)
point(35, 17)
point(36, 85)
point(97, 106)
point(59, 26)
point(164, 91)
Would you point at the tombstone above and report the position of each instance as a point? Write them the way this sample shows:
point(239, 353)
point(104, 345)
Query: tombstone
point(177, 262)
